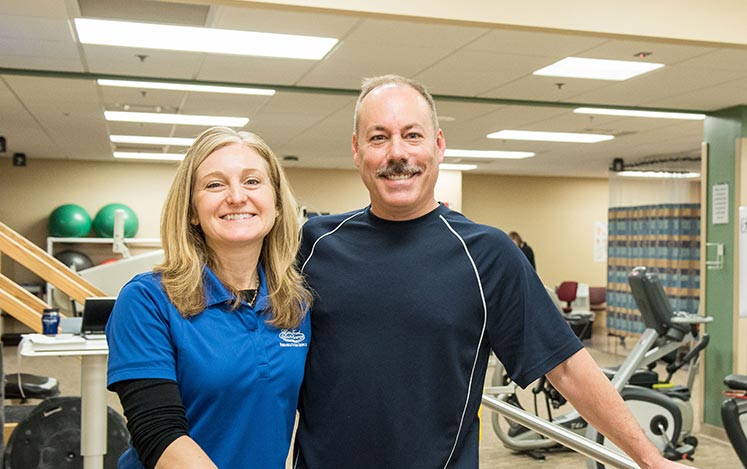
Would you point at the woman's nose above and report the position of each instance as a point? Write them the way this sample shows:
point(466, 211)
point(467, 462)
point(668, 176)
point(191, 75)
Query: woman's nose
point(235, 194)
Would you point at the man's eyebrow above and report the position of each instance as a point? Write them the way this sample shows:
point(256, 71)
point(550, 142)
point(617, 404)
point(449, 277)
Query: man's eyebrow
point(406, 127)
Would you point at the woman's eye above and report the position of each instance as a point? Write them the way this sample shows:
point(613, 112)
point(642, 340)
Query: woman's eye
point(213, 185)
point(252, 181)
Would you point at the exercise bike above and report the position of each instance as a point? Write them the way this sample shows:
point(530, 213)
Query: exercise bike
point(663, 410)
point(734, 414)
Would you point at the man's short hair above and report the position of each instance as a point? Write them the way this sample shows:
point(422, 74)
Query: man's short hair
point(370, 84)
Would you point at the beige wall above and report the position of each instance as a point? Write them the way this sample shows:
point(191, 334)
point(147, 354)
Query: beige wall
point(28, 194)
point(555, 216)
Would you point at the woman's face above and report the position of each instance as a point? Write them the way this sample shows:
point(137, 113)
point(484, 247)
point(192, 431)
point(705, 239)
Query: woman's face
point(233, 198)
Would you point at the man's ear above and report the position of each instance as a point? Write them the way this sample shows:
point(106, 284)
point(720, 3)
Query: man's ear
point(354, 147)
point(441, 145)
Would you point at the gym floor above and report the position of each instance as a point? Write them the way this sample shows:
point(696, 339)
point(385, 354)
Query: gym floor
point(711, 452)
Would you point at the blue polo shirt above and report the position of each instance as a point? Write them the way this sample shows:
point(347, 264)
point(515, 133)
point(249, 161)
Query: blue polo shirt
point(238, 377)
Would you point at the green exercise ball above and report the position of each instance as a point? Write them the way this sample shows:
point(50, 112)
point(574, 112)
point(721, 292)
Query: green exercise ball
point(103, 222)
point(69, 221)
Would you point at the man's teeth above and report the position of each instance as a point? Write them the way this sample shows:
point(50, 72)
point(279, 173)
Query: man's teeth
point(237, 216)
point(397, 177)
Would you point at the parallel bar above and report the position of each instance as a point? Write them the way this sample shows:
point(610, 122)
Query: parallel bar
point(562, 435)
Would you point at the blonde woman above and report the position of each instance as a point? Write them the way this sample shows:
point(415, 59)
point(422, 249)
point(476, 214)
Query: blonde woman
point(207, 351)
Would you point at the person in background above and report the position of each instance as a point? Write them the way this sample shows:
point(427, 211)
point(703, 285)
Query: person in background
point(207, 351)
point(525, 248)
point(411, 299)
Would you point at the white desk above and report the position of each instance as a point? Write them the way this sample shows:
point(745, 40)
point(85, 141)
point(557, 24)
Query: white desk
point(93, 353)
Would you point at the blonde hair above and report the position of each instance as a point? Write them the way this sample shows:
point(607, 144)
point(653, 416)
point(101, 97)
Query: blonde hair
point(186, 251)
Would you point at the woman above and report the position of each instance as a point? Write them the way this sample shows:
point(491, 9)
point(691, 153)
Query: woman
point(207, 351)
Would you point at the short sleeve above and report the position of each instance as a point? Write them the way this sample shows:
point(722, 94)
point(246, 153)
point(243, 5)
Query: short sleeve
point(139, 332)
point(526, 330)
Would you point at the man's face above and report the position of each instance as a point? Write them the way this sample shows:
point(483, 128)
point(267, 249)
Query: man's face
point(397, 152)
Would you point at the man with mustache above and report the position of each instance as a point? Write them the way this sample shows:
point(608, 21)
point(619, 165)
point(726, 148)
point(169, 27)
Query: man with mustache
point(410, 300)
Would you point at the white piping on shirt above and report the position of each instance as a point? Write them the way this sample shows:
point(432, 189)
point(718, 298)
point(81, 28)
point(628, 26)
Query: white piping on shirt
point(479, 343)
point(482, 333)
point(311, 253)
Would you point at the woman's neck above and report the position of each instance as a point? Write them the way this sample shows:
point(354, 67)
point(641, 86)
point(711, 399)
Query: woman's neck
point(238, 269)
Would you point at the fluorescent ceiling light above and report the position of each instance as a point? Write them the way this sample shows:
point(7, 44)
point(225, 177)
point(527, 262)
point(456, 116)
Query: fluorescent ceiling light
point(173, 141)
point(549, 136)
point(183, 119)
point(636, 113)
point(129, 155)
point(457, 167)
point(658, 174)
point(597, 69)
point(186, 87)
point(487, 154)
point(194, 39)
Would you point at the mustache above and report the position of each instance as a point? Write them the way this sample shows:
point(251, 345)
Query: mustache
point(399, 168)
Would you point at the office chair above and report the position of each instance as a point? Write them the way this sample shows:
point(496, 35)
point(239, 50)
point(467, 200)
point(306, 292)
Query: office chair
point(567, 292)
point(597, 298)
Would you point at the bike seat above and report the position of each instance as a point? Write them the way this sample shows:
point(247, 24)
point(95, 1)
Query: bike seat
point(736, 382)
point(676, 392)
point(642, 377)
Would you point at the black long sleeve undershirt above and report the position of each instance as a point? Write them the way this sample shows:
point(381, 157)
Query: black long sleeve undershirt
point(155, 415)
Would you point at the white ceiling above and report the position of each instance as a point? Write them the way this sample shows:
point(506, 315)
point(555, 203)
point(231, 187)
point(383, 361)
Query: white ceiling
point(52, 108)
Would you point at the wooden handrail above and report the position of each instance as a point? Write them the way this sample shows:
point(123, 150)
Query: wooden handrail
point(23, 305)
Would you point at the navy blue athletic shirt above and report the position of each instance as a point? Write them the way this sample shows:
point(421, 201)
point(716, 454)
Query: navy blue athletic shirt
point(404, 319)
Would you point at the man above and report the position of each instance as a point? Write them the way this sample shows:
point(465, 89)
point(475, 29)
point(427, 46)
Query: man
point(410, 299)
point(525, 248)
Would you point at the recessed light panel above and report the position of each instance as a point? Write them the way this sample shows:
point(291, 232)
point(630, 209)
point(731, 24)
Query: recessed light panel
point(182, 119)
point(457, 167)
point(194, 39)
point(494, 154)
point(597, 69)
point(145, 140)
point(129, 155)
point(186, 87)
point(639, 113)
point(549, 136)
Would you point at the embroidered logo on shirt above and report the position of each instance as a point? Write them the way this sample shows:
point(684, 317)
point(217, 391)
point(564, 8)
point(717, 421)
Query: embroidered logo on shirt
point(292, 338)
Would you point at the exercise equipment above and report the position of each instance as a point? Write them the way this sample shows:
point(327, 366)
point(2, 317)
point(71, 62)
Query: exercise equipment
point(665, 414)
point(103, 222)
point(69, 221)
point(26, 386)
point(76, 260)
point(50, 437)
point(734, 414)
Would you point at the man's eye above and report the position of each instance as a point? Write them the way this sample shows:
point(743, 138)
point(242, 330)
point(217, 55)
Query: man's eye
point(377, 138)
point(413, 135)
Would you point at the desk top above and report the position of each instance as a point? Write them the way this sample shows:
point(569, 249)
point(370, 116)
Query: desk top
point(38, 345)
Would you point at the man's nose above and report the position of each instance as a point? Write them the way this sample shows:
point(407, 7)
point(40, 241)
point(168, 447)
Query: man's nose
point(397, 150)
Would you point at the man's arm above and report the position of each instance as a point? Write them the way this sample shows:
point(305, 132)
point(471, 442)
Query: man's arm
point(580, 380)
